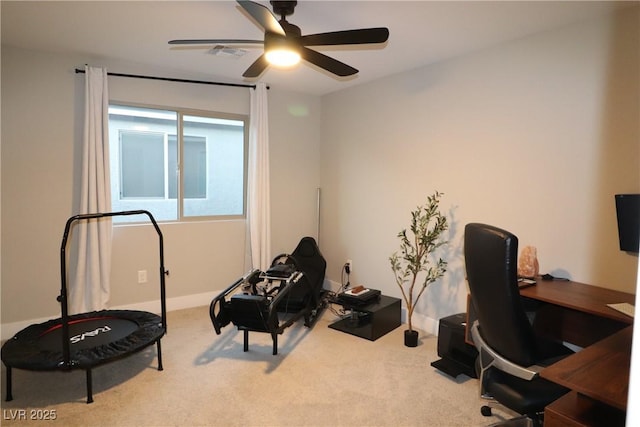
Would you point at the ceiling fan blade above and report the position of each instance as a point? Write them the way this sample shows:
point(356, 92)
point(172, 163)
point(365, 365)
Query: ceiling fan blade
point(216, 41)
point(258, 66)
point(263, 16)
point(323, 61)
point(362, 36)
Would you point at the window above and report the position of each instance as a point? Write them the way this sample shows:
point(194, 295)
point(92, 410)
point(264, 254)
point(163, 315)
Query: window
point(176, 165)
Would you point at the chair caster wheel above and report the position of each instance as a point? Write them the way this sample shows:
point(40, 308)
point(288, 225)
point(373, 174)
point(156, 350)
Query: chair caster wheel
point(486, 411)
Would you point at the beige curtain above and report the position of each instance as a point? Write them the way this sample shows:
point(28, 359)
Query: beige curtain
point(258, 200)
point(89, 289)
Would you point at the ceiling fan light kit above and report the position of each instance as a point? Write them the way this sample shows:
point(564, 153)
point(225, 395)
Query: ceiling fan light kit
point(284, 44)
point(281, 51)
point(282, 57)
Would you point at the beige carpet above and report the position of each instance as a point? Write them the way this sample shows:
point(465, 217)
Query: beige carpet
point(321, 377)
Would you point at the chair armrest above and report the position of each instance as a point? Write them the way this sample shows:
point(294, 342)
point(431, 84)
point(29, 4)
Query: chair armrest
point(498, 361)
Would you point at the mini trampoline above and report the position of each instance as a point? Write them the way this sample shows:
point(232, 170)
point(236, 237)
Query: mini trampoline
point(87, 340)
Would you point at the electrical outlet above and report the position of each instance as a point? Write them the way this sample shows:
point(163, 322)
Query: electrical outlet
point(349, 265)
point(142, 276)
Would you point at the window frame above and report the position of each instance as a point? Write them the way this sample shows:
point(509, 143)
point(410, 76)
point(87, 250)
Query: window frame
point(180, 114)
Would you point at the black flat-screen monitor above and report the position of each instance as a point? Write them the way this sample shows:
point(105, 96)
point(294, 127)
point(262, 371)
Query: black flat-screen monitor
point(628, 212)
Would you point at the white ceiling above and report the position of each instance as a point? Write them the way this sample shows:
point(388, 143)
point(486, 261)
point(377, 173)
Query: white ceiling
point(421, 32)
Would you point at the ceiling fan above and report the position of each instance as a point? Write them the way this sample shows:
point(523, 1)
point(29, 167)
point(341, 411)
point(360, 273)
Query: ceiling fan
point(285, 39)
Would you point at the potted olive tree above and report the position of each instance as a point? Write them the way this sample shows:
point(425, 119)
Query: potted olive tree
point(415, 267)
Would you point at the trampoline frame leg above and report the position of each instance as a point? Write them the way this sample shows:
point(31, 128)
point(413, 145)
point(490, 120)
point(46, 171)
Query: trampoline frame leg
point(89, 387)
point(160, 368)
point(9, 396)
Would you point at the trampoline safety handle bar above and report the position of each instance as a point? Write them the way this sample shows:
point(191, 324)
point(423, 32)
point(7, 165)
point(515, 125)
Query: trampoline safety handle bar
point(63, 271)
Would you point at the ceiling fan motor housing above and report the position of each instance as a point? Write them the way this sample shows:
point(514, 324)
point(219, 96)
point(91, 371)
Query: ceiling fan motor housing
point(290, 29)
point(276, 41)
point(283, 8)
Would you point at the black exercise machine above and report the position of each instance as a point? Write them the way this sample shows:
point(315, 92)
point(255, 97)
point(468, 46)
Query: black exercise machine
point(273, 300)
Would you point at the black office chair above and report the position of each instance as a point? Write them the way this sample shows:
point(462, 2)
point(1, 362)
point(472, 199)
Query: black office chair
point(510, 354)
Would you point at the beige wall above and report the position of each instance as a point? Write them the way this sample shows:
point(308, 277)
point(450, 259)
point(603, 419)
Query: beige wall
point(42, 101)
point(535, 136)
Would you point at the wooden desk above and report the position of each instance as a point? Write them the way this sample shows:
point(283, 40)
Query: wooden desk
point(600, 371)
point(599, 379)
point(575, 312)
point(570, 311)
point(581, 297)
point(598, 375)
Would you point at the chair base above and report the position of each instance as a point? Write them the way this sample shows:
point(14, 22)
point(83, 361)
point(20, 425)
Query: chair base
point(535, 420)
point(453, 368)
point(522, 421)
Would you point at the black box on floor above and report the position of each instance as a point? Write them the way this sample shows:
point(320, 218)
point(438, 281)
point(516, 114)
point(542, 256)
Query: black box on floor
point(373, 320)
point(458, 357)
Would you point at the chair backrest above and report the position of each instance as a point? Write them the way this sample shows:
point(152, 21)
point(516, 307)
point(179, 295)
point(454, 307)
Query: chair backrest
point(491, 264)
point(305, 293)
point(309, 259)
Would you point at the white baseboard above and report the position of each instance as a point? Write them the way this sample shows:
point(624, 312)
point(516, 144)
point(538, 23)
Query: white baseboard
point(8, 330)
point(331, 285)
point(424, 323)
point(177, 303)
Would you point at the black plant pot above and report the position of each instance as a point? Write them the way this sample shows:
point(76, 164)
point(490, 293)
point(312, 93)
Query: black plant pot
point(411, 338)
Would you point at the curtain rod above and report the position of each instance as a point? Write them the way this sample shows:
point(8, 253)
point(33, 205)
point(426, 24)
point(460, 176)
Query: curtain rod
point(171, 79)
